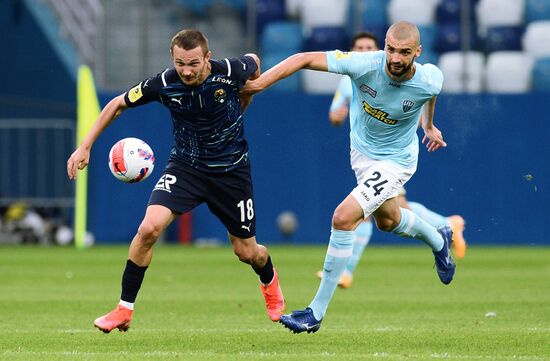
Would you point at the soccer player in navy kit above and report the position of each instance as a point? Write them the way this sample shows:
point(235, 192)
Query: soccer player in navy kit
point(208, 163)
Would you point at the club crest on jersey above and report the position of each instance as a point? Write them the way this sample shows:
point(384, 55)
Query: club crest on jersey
point(220, 95)
point(407, 105)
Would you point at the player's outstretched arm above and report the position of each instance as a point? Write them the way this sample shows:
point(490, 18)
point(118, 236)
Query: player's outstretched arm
point(258, 71)
point(81, 156)
point(246, 98)
point(311, 60)
point(432, 136)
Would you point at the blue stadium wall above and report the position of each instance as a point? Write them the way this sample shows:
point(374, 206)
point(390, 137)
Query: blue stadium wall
point(35, 82)
point(494, 171)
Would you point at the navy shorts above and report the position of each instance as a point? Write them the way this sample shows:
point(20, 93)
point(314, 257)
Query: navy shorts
point(228, 195)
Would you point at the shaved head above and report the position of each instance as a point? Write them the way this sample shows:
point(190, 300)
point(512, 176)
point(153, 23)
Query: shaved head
point(403, 30)
point(402, 47)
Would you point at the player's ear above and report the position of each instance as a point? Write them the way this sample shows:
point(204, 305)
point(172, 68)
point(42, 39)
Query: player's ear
point(418, 51)
point(208, 55)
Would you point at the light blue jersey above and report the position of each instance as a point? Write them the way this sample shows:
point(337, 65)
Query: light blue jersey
point(383, 113)
point(343, 94)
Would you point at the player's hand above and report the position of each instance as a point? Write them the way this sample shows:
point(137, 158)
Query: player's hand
point(77, 161)
point(338, 116)
point(433, 139)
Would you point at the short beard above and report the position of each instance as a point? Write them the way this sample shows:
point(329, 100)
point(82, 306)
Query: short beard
point(401, 73)
point(404, 71)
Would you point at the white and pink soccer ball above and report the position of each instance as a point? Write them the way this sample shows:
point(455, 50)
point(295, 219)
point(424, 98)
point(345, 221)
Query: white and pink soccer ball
point(131, 160)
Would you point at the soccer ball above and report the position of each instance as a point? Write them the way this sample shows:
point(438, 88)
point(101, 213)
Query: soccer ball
point(131, 160)
point(287, 222)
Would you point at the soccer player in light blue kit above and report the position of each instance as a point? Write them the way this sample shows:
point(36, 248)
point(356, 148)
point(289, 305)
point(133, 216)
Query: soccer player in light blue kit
point(339, 109)
point(389, 92)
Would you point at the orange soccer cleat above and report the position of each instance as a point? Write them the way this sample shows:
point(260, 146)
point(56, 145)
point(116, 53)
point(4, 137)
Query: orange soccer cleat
point(119, 318)
point(345, 280)
point(274, 299)
point(459, 243)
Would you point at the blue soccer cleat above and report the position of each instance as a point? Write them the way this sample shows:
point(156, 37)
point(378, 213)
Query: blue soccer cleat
point(443, 260)
point(300, 321)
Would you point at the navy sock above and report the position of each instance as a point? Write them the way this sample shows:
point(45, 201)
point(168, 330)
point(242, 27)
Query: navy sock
point(131, 281)
point(266, 272)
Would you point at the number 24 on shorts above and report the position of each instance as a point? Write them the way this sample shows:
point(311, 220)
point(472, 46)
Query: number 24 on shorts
point(375, 182)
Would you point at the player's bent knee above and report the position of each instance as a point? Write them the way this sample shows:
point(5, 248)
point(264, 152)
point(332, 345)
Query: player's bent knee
point(241, 250)
point(244, 254)
point(250, 253)
point(342, 221)
point(149, 232)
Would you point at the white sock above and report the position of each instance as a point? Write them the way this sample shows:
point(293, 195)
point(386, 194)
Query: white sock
point(127, 305)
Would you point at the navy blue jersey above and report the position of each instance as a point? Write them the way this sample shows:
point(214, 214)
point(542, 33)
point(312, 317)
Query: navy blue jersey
point(207, 119)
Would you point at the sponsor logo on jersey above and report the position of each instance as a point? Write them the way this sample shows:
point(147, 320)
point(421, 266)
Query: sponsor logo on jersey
point(220, 95)
point(407, 105)
point(367, 89)
point(342, 54)
point(378, 114)
point(223, 80)
point(135, 93)
point(165, 182)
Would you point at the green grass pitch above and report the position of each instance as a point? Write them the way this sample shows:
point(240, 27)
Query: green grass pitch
point(203, 304)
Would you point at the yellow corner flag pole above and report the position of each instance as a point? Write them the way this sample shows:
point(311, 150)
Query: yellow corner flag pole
point(87, 112)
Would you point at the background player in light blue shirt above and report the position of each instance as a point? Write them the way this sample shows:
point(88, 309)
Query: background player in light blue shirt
point(339, 110)
point(389, 92)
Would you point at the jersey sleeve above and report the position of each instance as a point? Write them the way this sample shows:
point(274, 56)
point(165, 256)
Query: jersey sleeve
point(144, 92)
point(434, 78)
point(241, 68)
point(352, 63)
point(342, 95)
